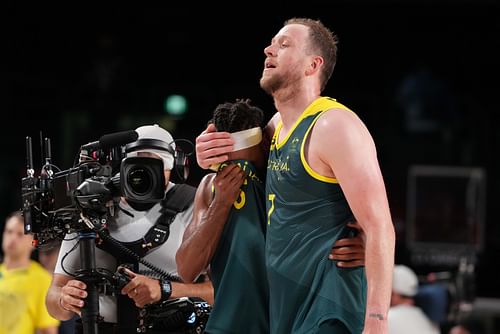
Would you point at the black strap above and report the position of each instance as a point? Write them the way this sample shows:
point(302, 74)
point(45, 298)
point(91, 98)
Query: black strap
point(178, 199)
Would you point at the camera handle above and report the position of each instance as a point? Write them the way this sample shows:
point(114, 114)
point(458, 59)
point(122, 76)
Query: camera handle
point(91, 277)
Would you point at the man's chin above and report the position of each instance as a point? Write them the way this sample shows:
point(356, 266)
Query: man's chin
point(265, 85)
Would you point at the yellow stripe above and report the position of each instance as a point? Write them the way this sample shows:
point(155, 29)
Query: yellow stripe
point(325, 104)
point(275, 136)
point(308, 168)
point(321, 103)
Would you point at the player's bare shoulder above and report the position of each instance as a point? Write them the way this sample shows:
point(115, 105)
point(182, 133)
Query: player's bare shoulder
point(344, 132)
point(204, 192)
point(335, 121)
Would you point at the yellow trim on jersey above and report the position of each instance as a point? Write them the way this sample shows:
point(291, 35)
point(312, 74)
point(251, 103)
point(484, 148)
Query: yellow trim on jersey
point(322, 103)
point(308, 168)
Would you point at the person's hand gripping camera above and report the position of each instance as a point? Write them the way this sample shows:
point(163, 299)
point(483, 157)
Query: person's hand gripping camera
point(145, 290)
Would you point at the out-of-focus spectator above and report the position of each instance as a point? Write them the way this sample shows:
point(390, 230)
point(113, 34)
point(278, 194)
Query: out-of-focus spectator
point(404, 316)
point(23, 284)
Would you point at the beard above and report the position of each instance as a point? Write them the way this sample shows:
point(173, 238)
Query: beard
point(271, 84)
point(278, 81)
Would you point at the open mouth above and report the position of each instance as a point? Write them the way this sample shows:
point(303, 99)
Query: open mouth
point(268, 64)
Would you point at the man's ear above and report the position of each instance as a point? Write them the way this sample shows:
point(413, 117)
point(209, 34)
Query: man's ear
point(314, 65)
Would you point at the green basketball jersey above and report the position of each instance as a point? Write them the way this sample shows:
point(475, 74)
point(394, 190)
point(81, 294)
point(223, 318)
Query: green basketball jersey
point(307, 213)
point(238, 268)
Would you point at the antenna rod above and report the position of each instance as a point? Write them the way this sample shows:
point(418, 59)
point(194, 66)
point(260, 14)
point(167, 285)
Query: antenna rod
point(48, 151)
point(41, 147)
point(29, 157)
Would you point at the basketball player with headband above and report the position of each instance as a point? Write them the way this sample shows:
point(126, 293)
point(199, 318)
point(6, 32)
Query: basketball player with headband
point(227, 235)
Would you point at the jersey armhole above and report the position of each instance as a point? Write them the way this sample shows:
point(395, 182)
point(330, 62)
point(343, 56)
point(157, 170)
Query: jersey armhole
point(306, 165)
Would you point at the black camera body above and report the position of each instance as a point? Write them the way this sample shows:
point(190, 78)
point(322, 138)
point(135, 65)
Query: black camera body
point(181, 315)
point(85, 196)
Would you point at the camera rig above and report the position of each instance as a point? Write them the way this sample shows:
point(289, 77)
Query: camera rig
point(82, 199)
point(55, 201)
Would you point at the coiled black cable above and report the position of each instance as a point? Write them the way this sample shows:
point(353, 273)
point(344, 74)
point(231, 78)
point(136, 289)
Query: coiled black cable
point(105, 236)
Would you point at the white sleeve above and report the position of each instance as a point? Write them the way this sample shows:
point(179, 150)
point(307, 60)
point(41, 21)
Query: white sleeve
point(68, 260)
point(71, 258)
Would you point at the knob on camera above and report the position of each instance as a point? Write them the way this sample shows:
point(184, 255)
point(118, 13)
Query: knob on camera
point(121, 278)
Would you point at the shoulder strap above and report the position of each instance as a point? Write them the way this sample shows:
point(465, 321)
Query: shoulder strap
point(178, 199)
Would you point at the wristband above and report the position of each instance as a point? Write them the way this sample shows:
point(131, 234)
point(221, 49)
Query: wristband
point(166, 289)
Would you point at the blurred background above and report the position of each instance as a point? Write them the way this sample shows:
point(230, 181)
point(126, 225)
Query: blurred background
point(423, 76)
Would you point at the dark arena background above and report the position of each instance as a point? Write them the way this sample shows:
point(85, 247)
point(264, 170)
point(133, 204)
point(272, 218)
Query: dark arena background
point(422, 75)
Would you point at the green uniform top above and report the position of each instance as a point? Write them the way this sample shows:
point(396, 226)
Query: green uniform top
point(238, 269)
point(307, 213)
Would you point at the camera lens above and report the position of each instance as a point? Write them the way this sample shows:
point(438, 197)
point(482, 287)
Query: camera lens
point(140, 180)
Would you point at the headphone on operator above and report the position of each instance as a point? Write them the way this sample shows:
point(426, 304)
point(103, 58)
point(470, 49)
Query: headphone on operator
point(181, 158)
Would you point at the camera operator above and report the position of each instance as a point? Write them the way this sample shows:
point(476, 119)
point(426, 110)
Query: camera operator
point(132, 223)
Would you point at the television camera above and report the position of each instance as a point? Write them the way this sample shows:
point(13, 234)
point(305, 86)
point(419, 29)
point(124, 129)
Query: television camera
point(82, 200)
point(83, 197)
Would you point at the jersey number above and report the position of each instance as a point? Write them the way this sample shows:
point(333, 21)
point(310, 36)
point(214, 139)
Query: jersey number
point(271, 209)
point(240, 202)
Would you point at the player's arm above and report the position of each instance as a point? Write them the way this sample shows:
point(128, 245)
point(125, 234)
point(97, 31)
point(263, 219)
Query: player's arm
point(350, 252)
point(352, 157)
point(212, 147)
point(211, 209)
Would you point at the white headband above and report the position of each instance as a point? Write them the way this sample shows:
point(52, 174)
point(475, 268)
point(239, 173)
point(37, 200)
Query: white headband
point(243, 139)
point(246, 138)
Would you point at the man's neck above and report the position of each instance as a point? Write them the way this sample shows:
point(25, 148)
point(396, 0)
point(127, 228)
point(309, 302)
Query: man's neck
point(291, 103)
point(15, 263)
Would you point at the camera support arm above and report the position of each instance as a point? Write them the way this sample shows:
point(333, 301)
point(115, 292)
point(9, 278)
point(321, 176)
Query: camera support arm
point(89, 275)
